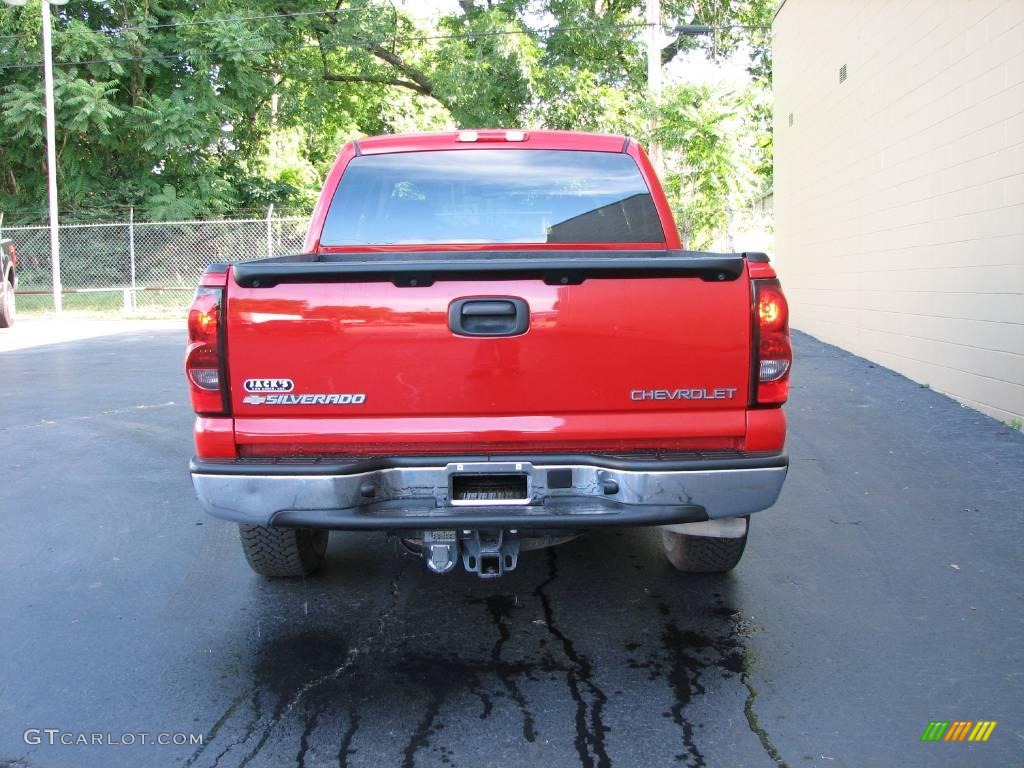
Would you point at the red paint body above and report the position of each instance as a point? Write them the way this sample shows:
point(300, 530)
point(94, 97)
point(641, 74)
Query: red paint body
point(568, 384)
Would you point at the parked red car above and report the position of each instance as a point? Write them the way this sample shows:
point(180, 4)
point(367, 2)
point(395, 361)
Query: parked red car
point(493, 341)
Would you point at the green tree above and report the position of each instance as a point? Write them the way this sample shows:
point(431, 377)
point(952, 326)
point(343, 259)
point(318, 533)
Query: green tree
point(184, 109)
point(709, 160)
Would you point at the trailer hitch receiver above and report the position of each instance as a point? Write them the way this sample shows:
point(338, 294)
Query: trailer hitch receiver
point(489, 554)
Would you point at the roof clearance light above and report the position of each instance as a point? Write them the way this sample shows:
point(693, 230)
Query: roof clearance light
point(468, 136)
point(515, 135)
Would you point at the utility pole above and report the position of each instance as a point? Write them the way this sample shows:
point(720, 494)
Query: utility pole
point(654, 71)
point(51, 162)
point(654, 78)
point(51, 149)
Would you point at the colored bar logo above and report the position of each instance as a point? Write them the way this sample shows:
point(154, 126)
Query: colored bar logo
point(958, 730)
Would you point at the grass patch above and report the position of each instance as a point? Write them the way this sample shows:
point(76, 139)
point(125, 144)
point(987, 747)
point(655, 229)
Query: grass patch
point(108, 305)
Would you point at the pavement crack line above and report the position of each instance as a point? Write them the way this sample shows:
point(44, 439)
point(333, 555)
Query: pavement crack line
point(498, 607)
point(684, 679)
point(590, 727)
point(353, 655)
point(250, 728)
point(755, 724)
point(310, 725)
point(356, 651)
point(345, 748)
point(215, 728)
point(421, 736)
point(753, 721)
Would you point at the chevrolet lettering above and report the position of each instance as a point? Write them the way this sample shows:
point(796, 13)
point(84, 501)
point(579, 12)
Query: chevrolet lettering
point(722, 393)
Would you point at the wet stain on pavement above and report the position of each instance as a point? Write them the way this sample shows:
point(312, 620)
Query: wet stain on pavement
point(590, 727)
point(313, 683)
point(500, 608)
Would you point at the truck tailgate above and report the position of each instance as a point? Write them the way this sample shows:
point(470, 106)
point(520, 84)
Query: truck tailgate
point(353, 367)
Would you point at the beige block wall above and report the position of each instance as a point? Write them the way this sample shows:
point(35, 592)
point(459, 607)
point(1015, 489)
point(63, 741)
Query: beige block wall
point(899, 193)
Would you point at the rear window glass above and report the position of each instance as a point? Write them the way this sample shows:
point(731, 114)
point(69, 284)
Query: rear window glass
point(492, 196)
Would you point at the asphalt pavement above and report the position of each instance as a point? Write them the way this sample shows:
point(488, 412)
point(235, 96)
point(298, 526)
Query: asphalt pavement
point(882, 592)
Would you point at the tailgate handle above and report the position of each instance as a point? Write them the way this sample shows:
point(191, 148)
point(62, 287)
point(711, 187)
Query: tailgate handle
point(489, 316)
point(488, 308)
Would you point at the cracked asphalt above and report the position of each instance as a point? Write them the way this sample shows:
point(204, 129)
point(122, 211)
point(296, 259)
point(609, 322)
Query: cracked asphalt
point(883, 591)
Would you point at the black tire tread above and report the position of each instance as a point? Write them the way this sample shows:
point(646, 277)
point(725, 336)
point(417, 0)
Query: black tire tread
point(283, 552)
point(702, 554)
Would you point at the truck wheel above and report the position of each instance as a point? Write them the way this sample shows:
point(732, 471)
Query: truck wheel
point(703, 554)
point(283, 552)
point(6, 304)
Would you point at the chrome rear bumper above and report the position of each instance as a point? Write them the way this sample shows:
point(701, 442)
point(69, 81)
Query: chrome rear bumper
point(416, 494)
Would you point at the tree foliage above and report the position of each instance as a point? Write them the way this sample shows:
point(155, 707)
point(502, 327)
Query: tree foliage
point(706, 138)
point(184, 109)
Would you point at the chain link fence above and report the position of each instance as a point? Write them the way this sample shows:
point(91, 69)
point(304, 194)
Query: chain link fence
point(141, 268)
point(748, 229)
point(745, 229)
point(152, 268)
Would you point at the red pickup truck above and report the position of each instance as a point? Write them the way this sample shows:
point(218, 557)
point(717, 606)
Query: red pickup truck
point(492, 342)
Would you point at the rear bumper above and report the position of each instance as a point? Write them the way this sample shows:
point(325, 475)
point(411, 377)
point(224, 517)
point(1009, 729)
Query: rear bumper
point(415, 493)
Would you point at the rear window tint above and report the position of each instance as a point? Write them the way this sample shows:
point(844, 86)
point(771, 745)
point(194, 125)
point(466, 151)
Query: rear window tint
point(492, 196)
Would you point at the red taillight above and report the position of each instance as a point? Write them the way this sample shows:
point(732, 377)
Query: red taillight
point(203, 358)
point(774, 351)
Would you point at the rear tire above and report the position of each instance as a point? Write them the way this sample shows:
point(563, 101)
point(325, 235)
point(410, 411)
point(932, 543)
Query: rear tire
point(283, 552)
point(703, 554)
point(6, 304)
